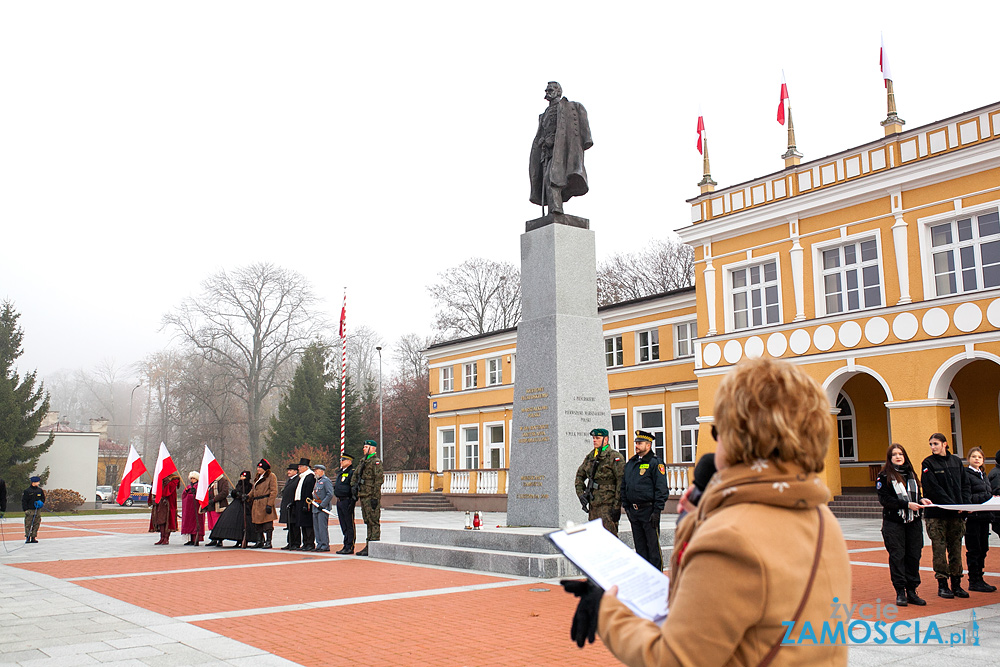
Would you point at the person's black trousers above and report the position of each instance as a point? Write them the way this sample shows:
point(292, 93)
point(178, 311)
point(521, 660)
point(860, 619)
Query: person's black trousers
point(646, 534)
point(345, 514)
point(904, 542)
point(294, 535)
point(977, 543)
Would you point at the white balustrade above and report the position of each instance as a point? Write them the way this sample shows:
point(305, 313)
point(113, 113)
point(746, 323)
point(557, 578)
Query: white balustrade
point(389, 483)
point(677, 479)
point(487, 481)
point(459, 481)
point(411, 482)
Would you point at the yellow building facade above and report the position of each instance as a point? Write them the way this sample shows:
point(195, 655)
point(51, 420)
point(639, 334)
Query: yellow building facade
point(876, 269)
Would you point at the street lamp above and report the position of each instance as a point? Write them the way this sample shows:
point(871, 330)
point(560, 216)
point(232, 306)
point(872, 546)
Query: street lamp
point(128, 438)
point(380, 437)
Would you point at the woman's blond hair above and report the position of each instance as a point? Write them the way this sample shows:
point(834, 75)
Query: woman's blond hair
point(769, 409)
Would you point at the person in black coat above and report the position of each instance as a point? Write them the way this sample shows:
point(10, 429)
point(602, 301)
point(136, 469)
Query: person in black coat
point(301, 509)
point(235, 523)
point(285, 514)
point(32, 501)
point(977, 525)
point(945, 483)
point(343, 490)
point(994, 480)
point(902, 531)
point(644, 493)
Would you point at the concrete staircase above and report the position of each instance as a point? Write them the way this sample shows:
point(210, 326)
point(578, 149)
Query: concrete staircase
point(856, 507)
point(425, 502)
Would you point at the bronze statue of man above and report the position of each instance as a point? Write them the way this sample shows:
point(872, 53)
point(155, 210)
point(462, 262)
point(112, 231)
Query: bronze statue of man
point(556, 168)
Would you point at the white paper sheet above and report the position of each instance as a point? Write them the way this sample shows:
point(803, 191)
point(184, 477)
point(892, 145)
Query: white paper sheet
point(608, 562)
point(991, 505)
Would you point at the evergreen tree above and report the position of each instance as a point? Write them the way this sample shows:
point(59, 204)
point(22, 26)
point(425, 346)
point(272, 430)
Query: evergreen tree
point(303, 409)
point(328, 435)
point(22, 407)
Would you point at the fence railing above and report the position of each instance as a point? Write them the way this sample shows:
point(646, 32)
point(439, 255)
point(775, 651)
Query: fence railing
point(677, 479)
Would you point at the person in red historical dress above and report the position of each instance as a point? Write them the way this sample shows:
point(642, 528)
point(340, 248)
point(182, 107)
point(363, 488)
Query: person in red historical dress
point(163, 514)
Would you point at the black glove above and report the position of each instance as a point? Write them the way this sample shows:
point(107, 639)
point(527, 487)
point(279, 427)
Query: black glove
point(269, 509)
point(354, 497)
point(584, 626)
point(373, 503)
point(234, 494)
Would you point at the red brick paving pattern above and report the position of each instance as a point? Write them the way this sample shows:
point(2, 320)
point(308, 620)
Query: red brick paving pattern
point(175, 557)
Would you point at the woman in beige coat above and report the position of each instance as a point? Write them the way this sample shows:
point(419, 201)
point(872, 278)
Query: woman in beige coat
point(761, 548)
point(262, 509)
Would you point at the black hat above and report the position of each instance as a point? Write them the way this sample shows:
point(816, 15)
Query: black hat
point(305, 462)
point(644, 435)
point(35, 479)
point(599, 432)
point(346, 456)
point(264, 464)
point(292, 466)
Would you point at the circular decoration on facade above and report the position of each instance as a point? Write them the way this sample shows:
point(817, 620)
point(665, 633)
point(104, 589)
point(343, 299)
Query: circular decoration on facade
point(800, 341)
point(993, 313)
point(905, 326)
point(754, 347)
point(935, 321)
point(824, 337)
point(876, 330)
point(968, 317)
point(733, 351)
point(849, 334)
point(711, 354)
point(776, 344)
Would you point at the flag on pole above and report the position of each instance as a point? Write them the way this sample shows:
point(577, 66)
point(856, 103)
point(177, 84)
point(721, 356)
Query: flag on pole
point(210, 471)
point(781, 102)
point(883, 63)
point(343, 316)
point(701, 131)
point(164, 468)
point(343, 374)
point(134, 469)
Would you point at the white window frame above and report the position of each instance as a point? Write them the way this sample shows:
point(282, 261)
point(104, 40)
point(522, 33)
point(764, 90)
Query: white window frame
point(465, 443)
point(447, 379)
point(819, 273)
point(442, 466)
point(728, 291)
point(956, 434)
point(927, 250)
point(638, 347)
point(853, 419)
point(490, 446)
point(620, 435)
point(690, 330)
point(617, 352)
point(494, 375)
point(637, 411)
point(675, 421)
point(474, 367)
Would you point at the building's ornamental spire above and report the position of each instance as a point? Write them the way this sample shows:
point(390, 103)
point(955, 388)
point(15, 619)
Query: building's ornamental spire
point(893, 124)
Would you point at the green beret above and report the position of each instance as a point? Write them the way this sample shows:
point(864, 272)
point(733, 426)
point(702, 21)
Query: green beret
point(599, 432)
point(371, 443)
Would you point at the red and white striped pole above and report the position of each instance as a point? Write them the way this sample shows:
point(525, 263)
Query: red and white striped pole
point(343, 374)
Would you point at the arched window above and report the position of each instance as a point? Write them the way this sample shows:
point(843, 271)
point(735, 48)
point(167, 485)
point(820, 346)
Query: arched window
point(846, 429)
point(956, 424)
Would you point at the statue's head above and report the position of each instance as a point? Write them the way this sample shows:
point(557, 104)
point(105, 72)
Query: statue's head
point(553, 91)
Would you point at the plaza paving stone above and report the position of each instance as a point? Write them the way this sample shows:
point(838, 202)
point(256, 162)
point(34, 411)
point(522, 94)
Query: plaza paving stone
point(95, 590)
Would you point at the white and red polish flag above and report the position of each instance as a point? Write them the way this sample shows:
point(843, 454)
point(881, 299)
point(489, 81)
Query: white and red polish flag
point(883, 63)
point(701, 131)
point(164, 468)
point(134, 469)
point(210, 471)
point(781, 102)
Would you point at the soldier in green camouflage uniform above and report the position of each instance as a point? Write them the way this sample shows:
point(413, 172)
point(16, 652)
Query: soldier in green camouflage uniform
point(606, 466)
point(368, 492)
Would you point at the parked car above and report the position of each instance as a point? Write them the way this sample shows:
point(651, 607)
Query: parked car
point(105, 494)
point(140, 494)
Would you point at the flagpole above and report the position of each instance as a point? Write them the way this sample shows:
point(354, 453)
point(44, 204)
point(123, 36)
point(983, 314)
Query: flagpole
point(343, 374)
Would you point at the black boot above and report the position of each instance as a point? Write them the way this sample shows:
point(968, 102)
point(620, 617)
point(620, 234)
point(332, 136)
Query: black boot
point(363, 552)
point(267, 540)
point(943, 590)
point(901, 599)
point(980, 586)
point(912, 598)
point(956, 588)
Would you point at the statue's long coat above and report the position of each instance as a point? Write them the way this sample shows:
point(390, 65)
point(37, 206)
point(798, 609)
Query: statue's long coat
point(566, 169)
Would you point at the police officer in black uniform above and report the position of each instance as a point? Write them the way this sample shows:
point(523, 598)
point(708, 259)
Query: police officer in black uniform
point(345, 501)
point(644, 493)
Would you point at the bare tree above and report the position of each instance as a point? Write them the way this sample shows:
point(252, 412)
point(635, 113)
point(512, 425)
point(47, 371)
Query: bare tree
point(477, 296)
point(362, 357)
point(661, 267)
point(409, 355)
point(251, 323)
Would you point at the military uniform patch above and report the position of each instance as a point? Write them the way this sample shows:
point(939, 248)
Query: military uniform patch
point(878, 484)
point(663, 469)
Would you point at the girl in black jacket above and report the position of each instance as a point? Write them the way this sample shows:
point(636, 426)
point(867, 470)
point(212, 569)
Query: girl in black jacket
point(977, 525)
point(899, 493)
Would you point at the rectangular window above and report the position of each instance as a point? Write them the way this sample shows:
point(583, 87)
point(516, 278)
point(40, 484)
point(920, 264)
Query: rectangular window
point(652, 421)
point(446, 442)
point(495, 445)
point(684, 335)
point(619, 434)
point(648, 345)
point(494, 370)
point(686, 431)
point(851, 279)
point(470, 375)
point(613, 352)
point(470, 447)
point(755, 295)
point(965, 254)
point(447, 378)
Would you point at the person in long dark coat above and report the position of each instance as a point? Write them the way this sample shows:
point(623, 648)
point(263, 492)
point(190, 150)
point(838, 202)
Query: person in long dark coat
point(286, 514)
point(235, 523)
point(163, 514)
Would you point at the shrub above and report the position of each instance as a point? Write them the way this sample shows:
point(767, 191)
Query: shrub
point(61, 500)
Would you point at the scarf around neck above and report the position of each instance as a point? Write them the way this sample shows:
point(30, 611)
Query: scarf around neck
point(762, 482)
